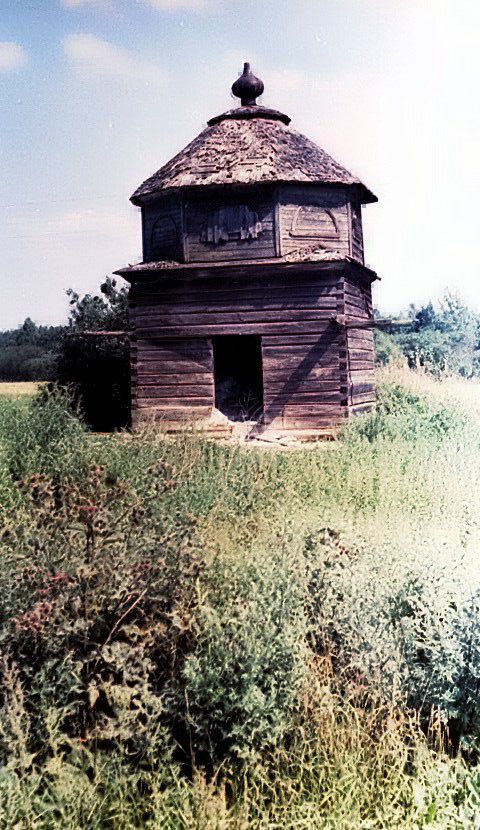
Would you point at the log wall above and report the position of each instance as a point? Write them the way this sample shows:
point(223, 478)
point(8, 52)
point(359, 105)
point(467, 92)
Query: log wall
point(172, 378)
point(309, 379)
point(360, 349)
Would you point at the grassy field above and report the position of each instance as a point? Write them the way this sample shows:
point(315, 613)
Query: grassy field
point(204, 636)
point(18, 388)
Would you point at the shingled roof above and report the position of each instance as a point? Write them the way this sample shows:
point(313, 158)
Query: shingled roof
point(245, 146)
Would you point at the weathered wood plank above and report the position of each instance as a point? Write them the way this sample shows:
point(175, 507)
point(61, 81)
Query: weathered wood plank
point(366, 397)
point(153, 319)
point(259, 328)
point(360, 354)
point(181, 393)
point(173, 413)
point(360, 388)
point(258, 297)
point(188, 286)
point(153, 400)
point(197, 346)
point(277, 375)
point(272, 303)
point(297, 390)
point(159, 376)
point(272, 342)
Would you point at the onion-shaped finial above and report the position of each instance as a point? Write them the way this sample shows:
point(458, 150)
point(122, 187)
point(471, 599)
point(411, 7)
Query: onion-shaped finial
point(247, 87)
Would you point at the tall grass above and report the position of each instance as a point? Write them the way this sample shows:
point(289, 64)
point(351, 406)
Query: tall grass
point(208, 636)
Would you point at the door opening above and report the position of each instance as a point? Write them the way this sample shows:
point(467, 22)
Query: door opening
point(238, 373)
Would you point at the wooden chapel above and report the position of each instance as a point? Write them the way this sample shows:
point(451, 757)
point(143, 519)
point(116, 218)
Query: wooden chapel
point(253, 301)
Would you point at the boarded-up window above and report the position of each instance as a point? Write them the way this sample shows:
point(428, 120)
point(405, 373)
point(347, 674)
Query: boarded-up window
point(233, 222)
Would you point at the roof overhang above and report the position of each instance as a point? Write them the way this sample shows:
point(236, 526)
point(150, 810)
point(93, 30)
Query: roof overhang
point(361, 192)
point(240, 268)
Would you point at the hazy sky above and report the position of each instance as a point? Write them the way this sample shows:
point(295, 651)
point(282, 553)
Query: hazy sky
point(95, 95)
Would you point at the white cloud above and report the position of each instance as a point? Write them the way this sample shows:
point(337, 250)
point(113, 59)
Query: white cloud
point(179, 5)
point(90, 55)
point(12, 56)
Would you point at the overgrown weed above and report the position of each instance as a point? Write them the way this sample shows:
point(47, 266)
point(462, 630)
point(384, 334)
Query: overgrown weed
point(202, 636)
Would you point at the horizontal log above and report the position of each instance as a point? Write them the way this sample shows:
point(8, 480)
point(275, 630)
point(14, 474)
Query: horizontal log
point(293, 398)
point(360, 354)
point(245, 305)
point(361, 408)
point(204, 361)
point(254, 299)
point(361, 365)
point(359, 345)
point(353, 289)
point(188, 287)
point(182, 394)
point(151, 365)
point(157, 320)
point(199, 253)
point(285, 369)
point(166, 413)
point(152, 400)
point(312, 352)
point(360, 311)
point(186, 346)
point(214, 330)
point(360, 336)
point(279, 340)
point(299, 428)
point(361, 388)
point(315, 388)
point(275, 376)
point(367, 397)
point(362, 377)
point(159, 377)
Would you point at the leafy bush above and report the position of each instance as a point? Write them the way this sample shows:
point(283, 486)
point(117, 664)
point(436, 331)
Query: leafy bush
point(443, 340)
point(387, 349)
point(403, 414)
point(250, 661)
point(97, 368)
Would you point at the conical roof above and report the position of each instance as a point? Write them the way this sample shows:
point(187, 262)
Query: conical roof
point(246, 146)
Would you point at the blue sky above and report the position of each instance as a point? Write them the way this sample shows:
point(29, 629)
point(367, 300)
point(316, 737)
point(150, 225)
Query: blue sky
point(97, 94)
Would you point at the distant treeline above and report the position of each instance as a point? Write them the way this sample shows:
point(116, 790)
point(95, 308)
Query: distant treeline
point(440, 340)
point(30, 352)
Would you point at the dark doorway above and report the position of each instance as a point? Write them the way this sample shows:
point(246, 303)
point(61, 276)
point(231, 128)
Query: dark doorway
point(237, 361)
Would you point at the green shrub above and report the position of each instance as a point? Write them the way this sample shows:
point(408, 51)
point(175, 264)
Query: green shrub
point(403, 414)
point(250, 661)
point(387, 349)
